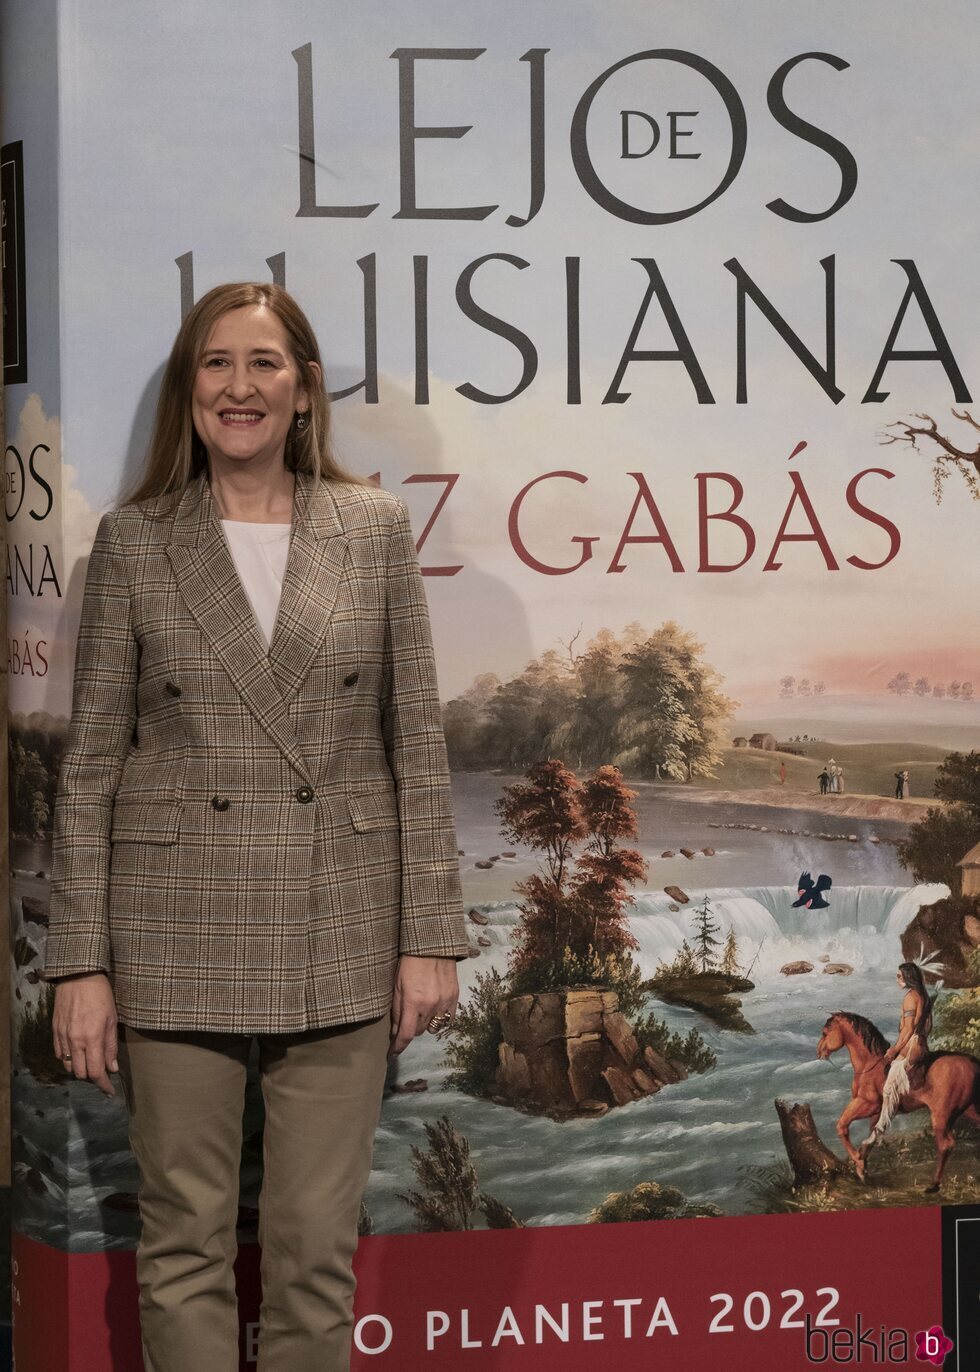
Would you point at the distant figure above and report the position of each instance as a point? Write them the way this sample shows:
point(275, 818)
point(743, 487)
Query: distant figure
point(832, 770)
point(899, 785)
point(782, 773)
point(810, 894)
point(905, 785)
point(840, 780)
point(824, 779)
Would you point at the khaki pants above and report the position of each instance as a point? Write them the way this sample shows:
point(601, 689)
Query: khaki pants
point(185, 1094)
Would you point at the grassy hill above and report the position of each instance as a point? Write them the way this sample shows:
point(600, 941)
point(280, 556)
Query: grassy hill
point(869, 768)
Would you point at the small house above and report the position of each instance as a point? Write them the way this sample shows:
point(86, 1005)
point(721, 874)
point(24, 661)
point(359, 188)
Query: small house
point(970, 867)
point(766, 741)
point(740, 742)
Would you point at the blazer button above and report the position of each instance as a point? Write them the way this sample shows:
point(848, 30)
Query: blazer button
point(350, 678)
point(171, 688)
point(220, 802)
point(304, 794)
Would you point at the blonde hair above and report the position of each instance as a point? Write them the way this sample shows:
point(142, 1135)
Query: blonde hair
point(176, 454)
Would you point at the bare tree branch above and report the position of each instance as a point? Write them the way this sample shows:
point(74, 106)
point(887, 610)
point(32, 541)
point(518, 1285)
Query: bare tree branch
point(949, 458)
point(572, 659)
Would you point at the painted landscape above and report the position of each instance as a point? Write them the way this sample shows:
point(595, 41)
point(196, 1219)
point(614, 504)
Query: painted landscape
point(647, 982)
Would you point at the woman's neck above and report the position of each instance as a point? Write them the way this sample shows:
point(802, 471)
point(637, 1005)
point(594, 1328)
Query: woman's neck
point(253, 498)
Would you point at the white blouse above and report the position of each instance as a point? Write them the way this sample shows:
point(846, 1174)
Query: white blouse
point(259, 552)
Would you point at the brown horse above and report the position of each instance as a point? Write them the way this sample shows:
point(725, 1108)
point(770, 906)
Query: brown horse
point(949, 1086)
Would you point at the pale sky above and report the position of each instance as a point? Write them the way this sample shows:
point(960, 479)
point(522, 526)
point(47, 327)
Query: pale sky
point(179, 134)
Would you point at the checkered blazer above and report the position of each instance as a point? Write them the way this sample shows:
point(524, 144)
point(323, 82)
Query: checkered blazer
point(246, 841)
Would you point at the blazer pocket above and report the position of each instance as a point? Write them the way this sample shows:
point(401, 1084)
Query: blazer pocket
point(373, 810)
point(145, 821)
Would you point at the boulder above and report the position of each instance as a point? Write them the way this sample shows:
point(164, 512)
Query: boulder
point(620, 1085)
point(663, 1071)
point(950, 929)
point(824, 957)
point(688, 852)
point(571, 1052)
point(838, 969)
point(677, 894)
point(796, 969)
point(708, 852)
point(477, 918)
point(667, 853)
point(410, 1088)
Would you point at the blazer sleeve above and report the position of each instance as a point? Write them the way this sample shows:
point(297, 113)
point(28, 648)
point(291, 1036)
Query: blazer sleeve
point(432, 923)
point(103, 718)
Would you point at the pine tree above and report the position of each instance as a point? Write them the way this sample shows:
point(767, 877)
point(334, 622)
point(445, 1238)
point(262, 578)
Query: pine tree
point(729, 955)
point(704, 937)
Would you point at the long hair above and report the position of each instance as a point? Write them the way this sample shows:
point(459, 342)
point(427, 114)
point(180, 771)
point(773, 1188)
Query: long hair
point(914, 980)
point(176, 453)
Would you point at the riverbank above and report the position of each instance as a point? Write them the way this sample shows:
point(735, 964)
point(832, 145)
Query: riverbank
point(786, 798)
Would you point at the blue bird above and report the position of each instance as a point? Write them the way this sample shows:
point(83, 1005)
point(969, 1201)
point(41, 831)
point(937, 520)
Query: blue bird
point(811, 895)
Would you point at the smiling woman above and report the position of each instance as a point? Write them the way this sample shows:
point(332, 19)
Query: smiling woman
point(247, 394)
point(253, 833)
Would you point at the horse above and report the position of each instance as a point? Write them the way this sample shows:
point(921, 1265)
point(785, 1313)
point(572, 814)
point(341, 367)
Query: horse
point(948, 1086)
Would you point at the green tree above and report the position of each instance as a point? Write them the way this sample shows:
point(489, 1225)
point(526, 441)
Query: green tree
point(938, 841)
point(673, 711)
point(704, 936)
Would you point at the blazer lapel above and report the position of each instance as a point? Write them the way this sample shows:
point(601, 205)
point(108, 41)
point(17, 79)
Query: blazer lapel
point(212, 591)
point(314, 567)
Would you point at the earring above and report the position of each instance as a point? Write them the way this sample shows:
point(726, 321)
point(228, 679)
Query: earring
point(301, 421)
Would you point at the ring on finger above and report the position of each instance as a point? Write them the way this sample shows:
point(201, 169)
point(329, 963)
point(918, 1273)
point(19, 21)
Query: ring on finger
point(439, 1022)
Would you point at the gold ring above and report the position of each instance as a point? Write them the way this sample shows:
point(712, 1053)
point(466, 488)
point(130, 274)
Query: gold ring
point(439, 1022)
point(66, 1057)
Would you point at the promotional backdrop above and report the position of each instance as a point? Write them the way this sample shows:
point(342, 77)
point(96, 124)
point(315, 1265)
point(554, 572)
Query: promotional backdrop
point(661, 318)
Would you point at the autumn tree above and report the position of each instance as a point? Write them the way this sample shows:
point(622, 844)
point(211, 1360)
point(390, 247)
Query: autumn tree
point(605, 871)
point(729, 955)
point(576, 906)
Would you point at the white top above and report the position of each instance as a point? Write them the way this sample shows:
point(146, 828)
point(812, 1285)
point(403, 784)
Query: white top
point(259, 552)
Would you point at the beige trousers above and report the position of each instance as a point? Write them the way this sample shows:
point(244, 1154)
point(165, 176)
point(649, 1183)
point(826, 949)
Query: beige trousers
point(185, 1094)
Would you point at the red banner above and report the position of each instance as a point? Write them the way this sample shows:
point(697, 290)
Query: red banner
point(786, 1292)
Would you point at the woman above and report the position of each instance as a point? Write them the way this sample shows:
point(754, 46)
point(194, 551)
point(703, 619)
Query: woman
point(253, 834)
point(908, 1050)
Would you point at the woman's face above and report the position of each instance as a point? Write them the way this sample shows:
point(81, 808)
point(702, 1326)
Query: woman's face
point(247, 389)
point(900, 978)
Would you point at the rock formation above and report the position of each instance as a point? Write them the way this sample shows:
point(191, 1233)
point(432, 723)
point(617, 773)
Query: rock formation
point(573, 1052)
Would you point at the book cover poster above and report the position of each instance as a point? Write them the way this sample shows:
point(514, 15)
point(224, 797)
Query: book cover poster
point(662, 321)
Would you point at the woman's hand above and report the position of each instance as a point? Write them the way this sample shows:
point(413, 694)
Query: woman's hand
point(423, 987)
point(84, 1027)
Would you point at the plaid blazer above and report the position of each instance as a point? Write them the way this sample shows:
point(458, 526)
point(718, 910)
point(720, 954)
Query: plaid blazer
point(245, 841)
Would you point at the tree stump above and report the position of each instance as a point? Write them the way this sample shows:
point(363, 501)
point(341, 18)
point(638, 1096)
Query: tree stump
point(809, 1156)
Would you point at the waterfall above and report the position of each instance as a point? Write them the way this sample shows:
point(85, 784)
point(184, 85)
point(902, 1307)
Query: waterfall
point(862, 926)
